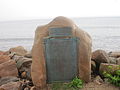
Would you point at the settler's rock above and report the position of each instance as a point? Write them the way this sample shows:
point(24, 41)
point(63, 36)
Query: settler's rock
point(38, 71)
point(18, 50)
point(8, 69)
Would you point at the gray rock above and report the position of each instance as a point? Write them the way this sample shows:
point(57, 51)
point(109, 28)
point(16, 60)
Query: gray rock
point(24, 65)
point(113, 60)
point(11, 86)
point(118, 61)
point(110, 68)
point(93, 66)
point(114, 54)
point(18, 50)
point(8, 79)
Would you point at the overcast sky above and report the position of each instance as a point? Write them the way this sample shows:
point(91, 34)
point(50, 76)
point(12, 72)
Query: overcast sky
point(37, 9)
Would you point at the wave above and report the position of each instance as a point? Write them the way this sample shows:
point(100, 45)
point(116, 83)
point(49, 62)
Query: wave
point(15, 39)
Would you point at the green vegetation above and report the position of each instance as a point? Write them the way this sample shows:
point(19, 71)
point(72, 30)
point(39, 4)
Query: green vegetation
point(75, 84)
point(113, 78)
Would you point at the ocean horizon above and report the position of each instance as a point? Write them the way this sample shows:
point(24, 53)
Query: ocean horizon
point(105, 32)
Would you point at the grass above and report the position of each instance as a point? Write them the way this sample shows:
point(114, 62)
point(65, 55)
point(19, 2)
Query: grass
point(75, 84)
point(113, 78)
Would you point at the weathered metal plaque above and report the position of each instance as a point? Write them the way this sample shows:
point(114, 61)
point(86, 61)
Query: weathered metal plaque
point(61, 59)
point(60, 32)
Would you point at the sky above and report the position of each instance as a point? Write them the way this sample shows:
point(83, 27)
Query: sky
point(38, 9)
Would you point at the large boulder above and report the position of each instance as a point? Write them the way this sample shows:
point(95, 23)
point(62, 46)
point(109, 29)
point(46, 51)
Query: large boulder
point(100, 56)
point(8, 69)
point(11, 86)
point(110, 68)
point(4, 58)
point(5, 80)
point(18, 50)
point(84, 51)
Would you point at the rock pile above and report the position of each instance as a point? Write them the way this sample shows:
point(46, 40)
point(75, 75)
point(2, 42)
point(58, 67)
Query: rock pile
point(15, 68)
point(101, 60)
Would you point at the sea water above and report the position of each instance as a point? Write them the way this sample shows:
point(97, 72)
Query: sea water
point(105, 32)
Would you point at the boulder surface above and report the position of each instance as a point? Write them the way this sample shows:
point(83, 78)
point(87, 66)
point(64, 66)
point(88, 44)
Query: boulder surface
point(38, 69)
point(8, 69)
point(18, 50)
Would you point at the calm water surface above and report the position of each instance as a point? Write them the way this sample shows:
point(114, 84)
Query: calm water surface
point(105, 32)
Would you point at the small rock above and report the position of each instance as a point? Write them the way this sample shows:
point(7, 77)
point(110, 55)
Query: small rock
point(24, 62)
point(100, 56)
point(4, 58)
point(113, 60)
point(26, 85)
point(110, 68)
point(26, 88)
point(93, 66)
point(114, 54)
point(24, 75)
point(118, 61)
point(98, 80)
point(11, 86)
point(17, 58)
point(106, 80)
point(18, 50)
point(8, 69)
point(12, 55)
point(32, 88)
point(24, 67)
point(8, 79)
